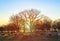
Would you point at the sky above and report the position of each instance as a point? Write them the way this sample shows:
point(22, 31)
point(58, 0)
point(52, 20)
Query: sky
point(50, 8)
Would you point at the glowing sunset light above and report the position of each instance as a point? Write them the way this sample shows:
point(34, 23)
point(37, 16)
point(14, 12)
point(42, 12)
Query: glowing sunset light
point(29, 20)
point(3, 21)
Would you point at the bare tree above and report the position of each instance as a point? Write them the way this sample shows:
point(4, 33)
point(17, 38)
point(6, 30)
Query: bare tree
point(28, 19)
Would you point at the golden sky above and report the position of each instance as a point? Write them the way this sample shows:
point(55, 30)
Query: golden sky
point(3, 21)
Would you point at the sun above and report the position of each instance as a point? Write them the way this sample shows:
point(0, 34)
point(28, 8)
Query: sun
point(27, 27)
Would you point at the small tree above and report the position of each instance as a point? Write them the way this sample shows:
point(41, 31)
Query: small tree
point(56, 24)
point(46, 24)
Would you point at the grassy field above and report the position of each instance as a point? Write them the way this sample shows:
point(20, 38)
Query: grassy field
point(32, 37)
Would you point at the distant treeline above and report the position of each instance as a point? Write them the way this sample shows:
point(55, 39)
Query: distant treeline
point(37, 21)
